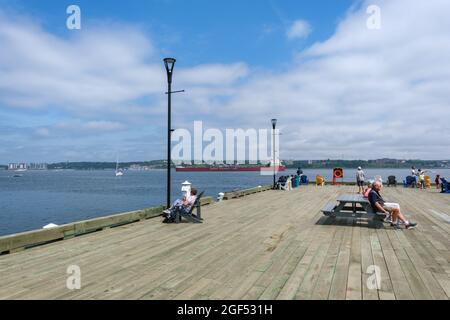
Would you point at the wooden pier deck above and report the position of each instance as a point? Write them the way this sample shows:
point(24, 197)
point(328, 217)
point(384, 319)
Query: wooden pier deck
point(270, 245)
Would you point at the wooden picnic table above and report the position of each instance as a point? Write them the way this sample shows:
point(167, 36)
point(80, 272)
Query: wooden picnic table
point(351, 204)
point(354, 203)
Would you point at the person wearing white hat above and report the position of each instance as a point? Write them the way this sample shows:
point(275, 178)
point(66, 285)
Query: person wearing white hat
point(360, 178)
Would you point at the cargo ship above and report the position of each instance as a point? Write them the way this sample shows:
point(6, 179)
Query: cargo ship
point(231, 168)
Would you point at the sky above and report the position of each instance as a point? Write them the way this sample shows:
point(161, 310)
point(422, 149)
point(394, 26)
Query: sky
point(342, 80)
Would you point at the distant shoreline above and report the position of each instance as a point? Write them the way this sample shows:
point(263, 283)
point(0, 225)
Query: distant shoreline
point(290, 164)
point(287, 168)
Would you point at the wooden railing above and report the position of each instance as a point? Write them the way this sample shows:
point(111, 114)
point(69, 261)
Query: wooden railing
point(20, 241)
point(245, 192)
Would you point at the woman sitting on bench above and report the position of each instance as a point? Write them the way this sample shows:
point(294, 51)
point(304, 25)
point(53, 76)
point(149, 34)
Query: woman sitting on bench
point(184, 205)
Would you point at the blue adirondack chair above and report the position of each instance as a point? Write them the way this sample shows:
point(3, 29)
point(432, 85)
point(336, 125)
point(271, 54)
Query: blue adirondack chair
point(409, 182)
point(296, 182)
point(304, 180)
point(445, 185)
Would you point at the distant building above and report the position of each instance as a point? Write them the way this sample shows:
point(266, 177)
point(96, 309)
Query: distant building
point(37, 166)
point(17, 166)
point(27, 166)
point(137, 167)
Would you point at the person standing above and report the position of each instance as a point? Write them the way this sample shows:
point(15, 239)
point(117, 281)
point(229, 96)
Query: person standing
point(414, 175)
point(360, 178)
point(437, 180)
point(289, 183)
point(299, 174)
point(421, 176)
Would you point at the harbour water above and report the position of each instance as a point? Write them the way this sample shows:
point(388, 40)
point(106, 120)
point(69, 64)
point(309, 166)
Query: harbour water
point(40, 197)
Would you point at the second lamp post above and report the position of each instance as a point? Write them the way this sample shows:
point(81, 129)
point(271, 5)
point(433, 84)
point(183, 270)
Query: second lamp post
point(274, 125)
point(170, 64)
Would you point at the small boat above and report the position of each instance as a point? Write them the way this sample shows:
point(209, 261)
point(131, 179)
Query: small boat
point(17, 175)
point(119, 172)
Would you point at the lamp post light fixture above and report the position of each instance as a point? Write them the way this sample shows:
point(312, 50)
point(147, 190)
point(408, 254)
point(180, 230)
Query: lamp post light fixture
point(274, 125)
point(170, 64)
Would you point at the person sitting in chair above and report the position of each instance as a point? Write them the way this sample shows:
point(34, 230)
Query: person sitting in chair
point(184, 205)
point(281, 184)
point(392, 209)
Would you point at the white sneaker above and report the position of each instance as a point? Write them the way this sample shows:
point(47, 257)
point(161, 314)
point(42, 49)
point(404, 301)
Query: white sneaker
point(167, 211)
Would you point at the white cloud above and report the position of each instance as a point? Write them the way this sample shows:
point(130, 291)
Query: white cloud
point(42, 132)
point(90, 70)
point(86, 128)
point(93, 71)
point(361, 93)
point(217, 74)
point(103, 125)
point(299, 29)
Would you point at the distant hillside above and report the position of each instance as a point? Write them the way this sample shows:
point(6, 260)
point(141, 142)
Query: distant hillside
point(155, 164)
point(381, 163)
point(305, 164)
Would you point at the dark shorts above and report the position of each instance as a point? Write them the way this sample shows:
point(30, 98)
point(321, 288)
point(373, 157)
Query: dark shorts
point(360, 183)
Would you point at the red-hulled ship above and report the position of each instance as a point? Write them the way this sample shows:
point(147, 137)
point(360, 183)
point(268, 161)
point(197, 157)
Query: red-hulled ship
point(232, 168)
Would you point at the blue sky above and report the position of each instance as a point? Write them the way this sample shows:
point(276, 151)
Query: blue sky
point(90, 94)
point(202, 31)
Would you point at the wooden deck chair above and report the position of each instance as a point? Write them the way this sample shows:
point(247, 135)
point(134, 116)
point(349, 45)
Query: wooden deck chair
point(320, 181)
point(445, 185)
point(392, 181)
point(427, 182)
point(190, 216)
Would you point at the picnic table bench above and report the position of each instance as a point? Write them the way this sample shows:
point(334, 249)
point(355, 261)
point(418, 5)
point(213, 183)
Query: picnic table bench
point(352, 205)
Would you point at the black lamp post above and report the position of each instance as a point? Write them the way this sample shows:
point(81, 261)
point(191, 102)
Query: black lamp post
point(170, 64)
point(274, 125)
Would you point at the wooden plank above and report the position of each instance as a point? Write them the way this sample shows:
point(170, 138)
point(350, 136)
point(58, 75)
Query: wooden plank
point(338, 288)
point(289, 290)
point(386, 292)
point(444, 282)
point(398, 279)
point(312, 274)
point(368, 293)
point(354, 285)
point(323, 285)
point(418, 288)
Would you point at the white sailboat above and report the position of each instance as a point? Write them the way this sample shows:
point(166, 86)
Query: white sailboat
point(119, 172)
